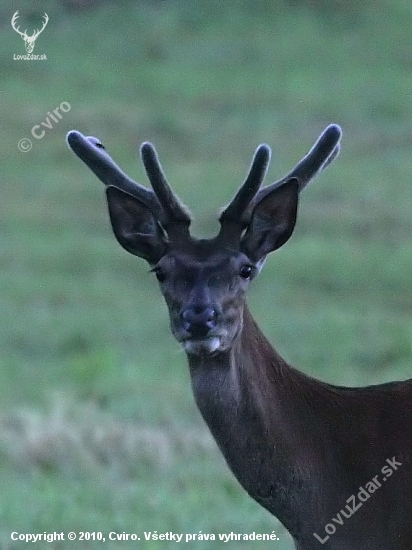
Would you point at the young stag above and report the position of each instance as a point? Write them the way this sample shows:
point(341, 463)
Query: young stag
point(332, 463)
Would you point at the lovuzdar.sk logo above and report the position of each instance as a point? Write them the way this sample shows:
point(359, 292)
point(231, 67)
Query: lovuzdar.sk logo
point(29, 40)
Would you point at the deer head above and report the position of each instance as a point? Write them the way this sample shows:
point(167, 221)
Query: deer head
point(204, 281)
point(29, 41)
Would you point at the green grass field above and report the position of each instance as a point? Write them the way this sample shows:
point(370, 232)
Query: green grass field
point(98, 428)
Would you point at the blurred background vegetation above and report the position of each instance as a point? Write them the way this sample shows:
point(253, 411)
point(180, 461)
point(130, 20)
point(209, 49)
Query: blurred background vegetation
point(98, 429)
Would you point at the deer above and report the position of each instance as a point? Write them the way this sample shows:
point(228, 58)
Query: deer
point(29, 41)
point(332, 463)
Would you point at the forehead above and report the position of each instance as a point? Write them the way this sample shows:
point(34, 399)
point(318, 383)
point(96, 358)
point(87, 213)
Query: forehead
point(203, 256)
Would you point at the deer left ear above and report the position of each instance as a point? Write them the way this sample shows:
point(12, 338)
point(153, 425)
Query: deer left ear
point(272, 222)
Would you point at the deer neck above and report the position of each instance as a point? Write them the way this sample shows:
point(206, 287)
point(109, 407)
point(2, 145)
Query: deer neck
point(249, 376)
point(265, 447)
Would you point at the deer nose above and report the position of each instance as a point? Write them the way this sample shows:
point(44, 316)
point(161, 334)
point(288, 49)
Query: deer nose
point(199, 320)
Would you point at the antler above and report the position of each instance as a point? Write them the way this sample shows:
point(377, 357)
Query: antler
point(163, 203)
point(318, 158)
point(250, 186)
point(13, 24)
point(175, 211)
point(325, 150)
point(37, 31)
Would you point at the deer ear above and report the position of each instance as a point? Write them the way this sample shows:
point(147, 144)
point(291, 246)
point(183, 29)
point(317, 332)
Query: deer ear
point(135, 227)
point(272, 222)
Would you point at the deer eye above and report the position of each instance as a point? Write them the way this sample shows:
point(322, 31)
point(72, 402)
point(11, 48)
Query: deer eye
point(160, 274)
point(246, 271)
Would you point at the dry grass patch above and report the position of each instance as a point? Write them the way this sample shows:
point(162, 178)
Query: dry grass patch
point(81, 438)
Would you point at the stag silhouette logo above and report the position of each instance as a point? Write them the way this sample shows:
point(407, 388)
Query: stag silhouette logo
point(29, 41)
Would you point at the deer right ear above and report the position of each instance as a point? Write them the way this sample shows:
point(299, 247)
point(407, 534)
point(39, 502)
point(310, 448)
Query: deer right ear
point(135, 227)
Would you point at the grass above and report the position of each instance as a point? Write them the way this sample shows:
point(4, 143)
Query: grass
point(98, 429)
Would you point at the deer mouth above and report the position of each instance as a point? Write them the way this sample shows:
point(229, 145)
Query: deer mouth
point(202, 346)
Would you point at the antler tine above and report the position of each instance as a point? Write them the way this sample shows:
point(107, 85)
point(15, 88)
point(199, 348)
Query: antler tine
point(240, 202)
point(318, 157)
point(175, 211)
point(92, 153)
point(325, 150)
point(331, 157)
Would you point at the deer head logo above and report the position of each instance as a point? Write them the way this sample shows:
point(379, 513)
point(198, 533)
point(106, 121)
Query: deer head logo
point(29, 41)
